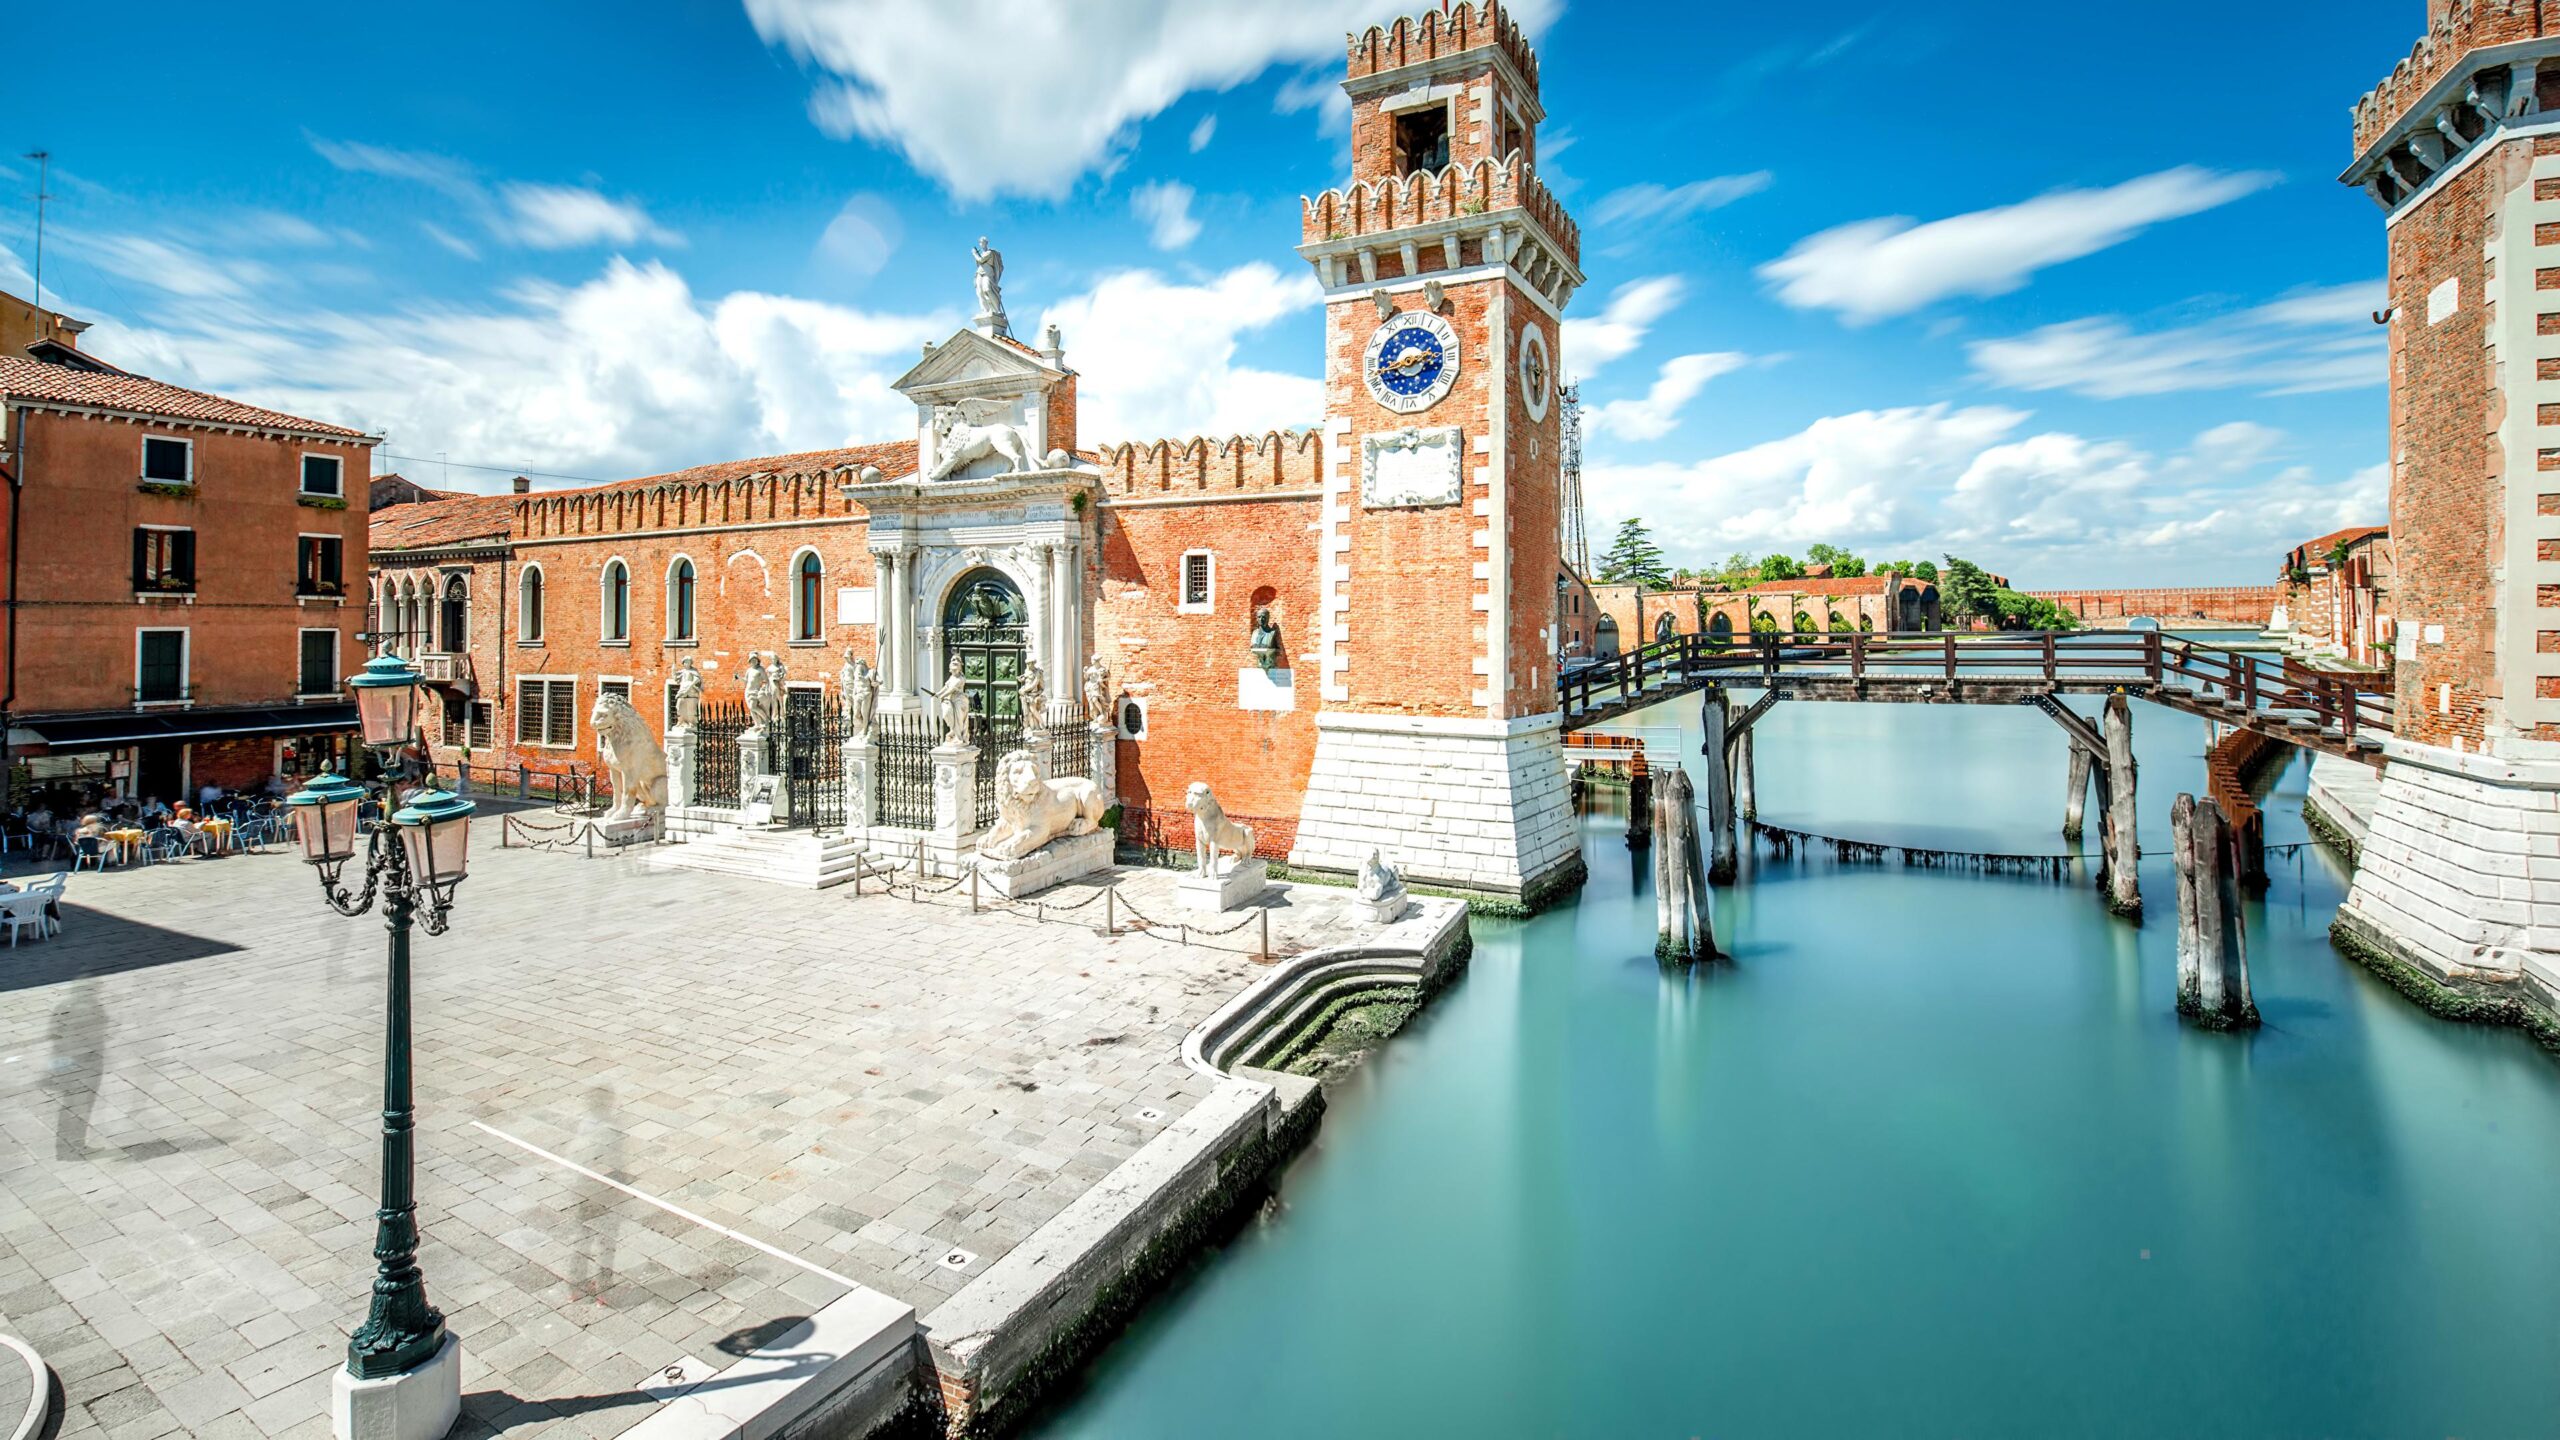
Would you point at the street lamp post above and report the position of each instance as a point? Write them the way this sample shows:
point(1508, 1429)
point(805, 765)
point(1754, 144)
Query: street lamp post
point(402, 1379)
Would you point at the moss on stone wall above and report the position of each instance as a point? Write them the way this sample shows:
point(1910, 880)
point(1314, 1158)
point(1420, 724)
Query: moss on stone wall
point(2447, 1001)
point(2330, 833)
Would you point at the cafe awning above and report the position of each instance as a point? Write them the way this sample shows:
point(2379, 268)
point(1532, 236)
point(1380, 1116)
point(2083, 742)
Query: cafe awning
point(115, 730)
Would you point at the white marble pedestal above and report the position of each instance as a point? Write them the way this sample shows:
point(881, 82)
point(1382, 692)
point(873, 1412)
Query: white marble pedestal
point(634, 830)
point(1240, 883)
point(420, 1404)
point(1065, 858)
point(1387, 909)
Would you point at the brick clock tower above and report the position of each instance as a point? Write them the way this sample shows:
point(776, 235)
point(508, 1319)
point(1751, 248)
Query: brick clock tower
point(1446, 267)
point(2460, 147)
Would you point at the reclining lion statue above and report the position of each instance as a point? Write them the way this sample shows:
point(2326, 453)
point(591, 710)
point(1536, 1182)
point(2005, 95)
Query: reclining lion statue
point(632, 757)
point(1032, 809)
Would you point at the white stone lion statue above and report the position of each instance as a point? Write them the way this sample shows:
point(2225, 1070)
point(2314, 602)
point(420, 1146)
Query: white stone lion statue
point(1212, 831)
point(974, 430)
point(632, 756)
point(1032, 809)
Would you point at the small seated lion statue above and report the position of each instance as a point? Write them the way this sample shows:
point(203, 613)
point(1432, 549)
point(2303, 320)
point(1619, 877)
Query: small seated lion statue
point(1212, 831)
point(633, 758)
point(1032, 809)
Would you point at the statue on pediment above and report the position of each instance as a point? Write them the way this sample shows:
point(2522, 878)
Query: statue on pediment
point(991, 290)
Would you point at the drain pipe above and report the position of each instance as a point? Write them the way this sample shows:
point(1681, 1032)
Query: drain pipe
point(9, 699)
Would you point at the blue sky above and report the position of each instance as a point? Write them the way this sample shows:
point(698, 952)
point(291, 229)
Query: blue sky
point(2073, 292)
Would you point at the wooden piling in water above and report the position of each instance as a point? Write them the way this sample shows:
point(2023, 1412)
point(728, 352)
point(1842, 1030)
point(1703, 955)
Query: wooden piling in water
point(1639, 803)
point(2075, 797)
point(1715, 717)
point(1687, 924)
point(1746, 798)
point(2213, 942)
point(2121, 875)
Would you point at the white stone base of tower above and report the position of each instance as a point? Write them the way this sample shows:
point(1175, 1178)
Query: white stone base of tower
point(1465, 804)
point(2459, 879)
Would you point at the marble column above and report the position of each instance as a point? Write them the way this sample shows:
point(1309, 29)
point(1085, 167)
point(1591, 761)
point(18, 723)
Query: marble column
point(886, 572)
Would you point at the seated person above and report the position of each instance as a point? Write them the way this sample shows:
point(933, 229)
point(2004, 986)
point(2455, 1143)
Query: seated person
point(153, 812)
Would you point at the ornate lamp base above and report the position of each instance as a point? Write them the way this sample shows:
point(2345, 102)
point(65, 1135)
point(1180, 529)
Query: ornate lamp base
point(418, 1404)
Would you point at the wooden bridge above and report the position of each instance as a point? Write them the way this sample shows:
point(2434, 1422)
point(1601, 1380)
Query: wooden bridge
point(2342, 715)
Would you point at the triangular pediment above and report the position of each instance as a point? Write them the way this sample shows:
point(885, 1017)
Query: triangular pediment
point(971, 363)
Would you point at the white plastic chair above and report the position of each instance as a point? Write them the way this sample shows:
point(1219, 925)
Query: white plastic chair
point(50, 889)
point(24, 909)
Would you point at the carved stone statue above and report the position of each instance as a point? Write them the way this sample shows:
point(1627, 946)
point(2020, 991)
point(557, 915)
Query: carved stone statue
point(1212, 831)
point(858, 690)
point(632, 757)
point(1032, 809)
point(951, 704)
point(778, 698)
point(967, 431)
point(1378, 879)
point(991, 289)
point(1097, 690)
point(688, 694)
point(1265, 643)
point(1034, 690)
point(759, 687)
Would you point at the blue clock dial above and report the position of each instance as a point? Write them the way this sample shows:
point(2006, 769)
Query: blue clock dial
point(1410, 361)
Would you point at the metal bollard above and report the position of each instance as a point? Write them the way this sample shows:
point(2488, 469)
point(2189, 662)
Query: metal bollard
point(973, 889)
point(1264, 918)
point(1110, 926)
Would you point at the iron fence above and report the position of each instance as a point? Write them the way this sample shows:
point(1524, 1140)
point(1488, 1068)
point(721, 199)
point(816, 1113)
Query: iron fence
point(995, 736)
point(813, 766)
point(902, 770)
point(715, 754)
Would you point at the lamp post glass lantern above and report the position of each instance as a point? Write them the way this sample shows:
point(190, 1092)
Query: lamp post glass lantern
point(413, 859)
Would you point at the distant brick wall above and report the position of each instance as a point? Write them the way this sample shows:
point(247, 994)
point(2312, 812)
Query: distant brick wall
point(2234, 604)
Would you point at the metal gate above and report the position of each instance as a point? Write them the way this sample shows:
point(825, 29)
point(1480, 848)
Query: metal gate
point(902, 759)
point(715, 754)
point(813, 761)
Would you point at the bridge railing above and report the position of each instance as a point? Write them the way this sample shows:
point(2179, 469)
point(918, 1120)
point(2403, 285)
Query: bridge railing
point(2244, 681)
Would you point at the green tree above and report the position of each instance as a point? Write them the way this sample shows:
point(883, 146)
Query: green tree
point(1926, 570)
point(1780, 567)
point(1737, 569)
point(1763, 623)
point(1968, 592)
point(1633, 559)
point(1844, 565)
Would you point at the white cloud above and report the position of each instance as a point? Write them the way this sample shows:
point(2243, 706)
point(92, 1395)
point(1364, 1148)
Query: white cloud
point(2046, 508)
point(1621, 325)
point(439, 172)
point(2320, 340)
point(1648, 201)
point(1158, 358)
point(449, 240)
point(1875, 269)
point(1322, 92)
point(564, 217)
point(1203, 132)
point(1657, 412)
point(995, 97)
point(1166, 207)
point(862, 236)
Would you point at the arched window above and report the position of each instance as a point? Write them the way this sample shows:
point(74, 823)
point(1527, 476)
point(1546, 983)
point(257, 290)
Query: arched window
point(680, 599)
point(408, 626)
point(1666, 626)
point(808, 579)
point(456, 619)
point(529, 604)
point(617, 601)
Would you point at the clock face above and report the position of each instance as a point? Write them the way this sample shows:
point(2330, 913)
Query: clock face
point(1535, 374)
point(1412, 361)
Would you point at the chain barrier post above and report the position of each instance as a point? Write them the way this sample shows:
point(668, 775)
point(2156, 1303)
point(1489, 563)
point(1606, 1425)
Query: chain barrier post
point(1265, 917)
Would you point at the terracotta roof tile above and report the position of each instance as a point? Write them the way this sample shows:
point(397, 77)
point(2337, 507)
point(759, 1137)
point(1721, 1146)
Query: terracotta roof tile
point(27, 379)
point(425, 523)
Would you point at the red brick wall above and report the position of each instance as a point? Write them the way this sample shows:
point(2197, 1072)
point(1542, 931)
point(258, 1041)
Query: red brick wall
point(1532, 516)
point(1184, 666)
point(2236, 604)
point(78, 615)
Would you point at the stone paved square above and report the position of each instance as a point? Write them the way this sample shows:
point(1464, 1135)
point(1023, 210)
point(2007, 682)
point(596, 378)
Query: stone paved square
point(190, 1079)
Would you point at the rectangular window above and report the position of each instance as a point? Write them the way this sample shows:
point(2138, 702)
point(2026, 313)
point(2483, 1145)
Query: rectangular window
point(670, 721)
point(324, 475)
point(547, 712)
point(1422, 140)
point(160, 666)
point(319, 663)
point(317, 573)
point(614, 687)
point(168, 461)
point(482, 725)
point(164, 560)
point(1199, 583)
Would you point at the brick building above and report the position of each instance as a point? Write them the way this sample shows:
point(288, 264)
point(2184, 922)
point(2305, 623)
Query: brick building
point(177, 570)
point(2460, 148)
point(1877, 604)
point(2339, 596)
point(1399, 558)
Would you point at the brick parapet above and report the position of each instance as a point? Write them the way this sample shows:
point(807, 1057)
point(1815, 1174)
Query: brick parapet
point(2235, 604)
point(1481, 188)
point(1241, 464)
point(2454, 31)
point(1434, 34)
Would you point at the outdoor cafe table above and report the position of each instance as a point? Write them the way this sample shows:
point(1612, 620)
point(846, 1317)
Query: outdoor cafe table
point(126, 843)
point(217, 836)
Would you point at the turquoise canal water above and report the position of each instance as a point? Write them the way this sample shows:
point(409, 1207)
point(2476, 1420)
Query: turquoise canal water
point(1933, 1156)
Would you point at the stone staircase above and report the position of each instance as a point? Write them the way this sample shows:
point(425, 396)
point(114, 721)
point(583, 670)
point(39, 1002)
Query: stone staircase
point(779, 856)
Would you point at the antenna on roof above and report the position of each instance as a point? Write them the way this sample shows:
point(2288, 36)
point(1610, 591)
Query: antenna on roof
point(44, 167)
